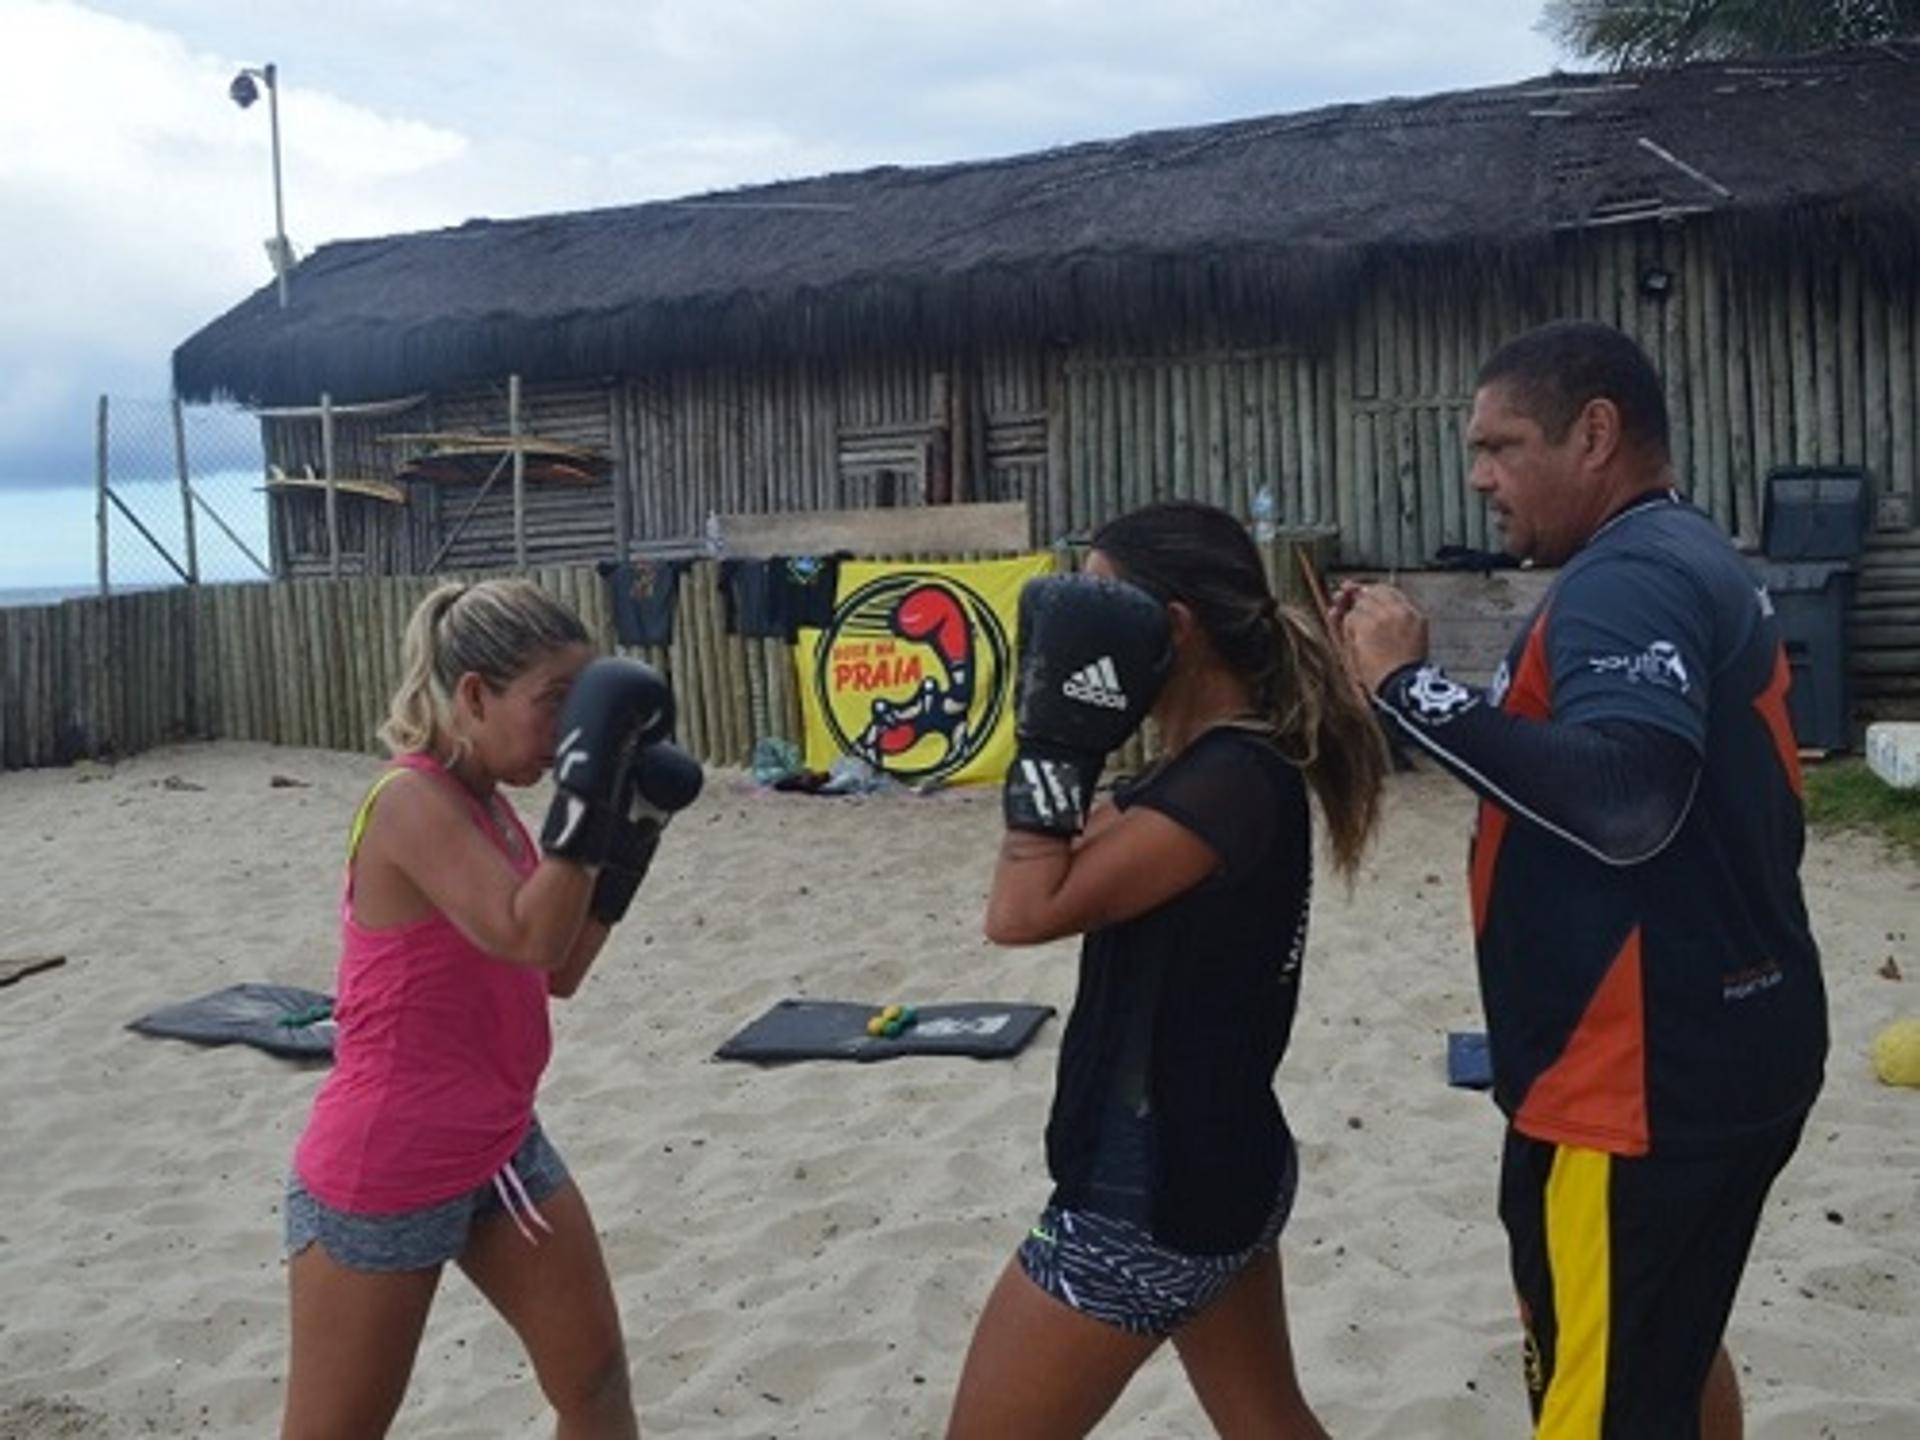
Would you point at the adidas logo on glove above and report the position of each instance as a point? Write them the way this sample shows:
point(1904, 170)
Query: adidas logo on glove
point(1097, 684)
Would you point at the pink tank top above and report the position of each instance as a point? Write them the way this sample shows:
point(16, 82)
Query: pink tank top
point(438, 1053)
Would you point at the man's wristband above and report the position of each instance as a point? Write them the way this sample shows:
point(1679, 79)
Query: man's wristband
point(1421, 693)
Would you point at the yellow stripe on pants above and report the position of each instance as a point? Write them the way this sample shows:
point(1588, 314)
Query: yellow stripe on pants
point(1579, 1254)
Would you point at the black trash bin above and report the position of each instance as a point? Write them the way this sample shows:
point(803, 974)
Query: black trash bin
point(1813, 523)
point(1812, 512)
point(1810, 600)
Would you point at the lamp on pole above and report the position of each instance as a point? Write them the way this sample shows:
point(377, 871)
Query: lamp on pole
point(244, 92)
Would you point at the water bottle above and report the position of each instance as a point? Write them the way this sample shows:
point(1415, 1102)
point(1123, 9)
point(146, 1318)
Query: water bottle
point(1264, 528)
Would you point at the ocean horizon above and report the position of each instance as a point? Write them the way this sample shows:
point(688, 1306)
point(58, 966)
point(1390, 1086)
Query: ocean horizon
point(18, 596)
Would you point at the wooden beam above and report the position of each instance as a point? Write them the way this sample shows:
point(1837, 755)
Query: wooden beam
point(366, 410)
point(989, 526)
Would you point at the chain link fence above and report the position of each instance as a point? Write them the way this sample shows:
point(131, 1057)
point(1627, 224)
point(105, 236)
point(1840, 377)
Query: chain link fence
point(185, 499)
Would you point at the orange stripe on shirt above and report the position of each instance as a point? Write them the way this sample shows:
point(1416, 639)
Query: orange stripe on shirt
point(1530, 695)
point(1772, 705)
point(1595, 1094)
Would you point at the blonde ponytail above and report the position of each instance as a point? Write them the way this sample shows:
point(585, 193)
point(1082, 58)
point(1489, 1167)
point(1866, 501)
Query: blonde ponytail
point(418, 712)
point(496, 629)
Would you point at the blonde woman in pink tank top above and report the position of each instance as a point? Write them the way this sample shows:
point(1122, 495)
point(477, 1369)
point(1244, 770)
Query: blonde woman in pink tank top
point(456, 928)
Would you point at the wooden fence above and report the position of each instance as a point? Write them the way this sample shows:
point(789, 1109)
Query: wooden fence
point(313, 662)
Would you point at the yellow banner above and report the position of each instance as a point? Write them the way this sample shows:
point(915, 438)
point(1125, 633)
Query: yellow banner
point(915, 673)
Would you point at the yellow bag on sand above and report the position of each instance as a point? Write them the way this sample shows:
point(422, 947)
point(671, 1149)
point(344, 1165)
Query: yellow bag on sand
point(1896, 1054)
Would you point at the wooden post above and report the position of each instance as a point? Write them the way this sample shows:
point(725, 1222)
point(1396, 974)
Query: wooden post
point(690, 670)
point(100, 492)
point(1696, 469)
point(1717, 420)
point(1826, 358)
point(1903, 443)
point(1058, 518)
point(971, 483)
point(713, 669)
point(186, 490)
point(333, 494)
point(1874, 399)
point(1406, 538)
point(1407, 480)
point(1673, 324)
point(1431, 483)
point(1739, 357)
point(942, 442)
point(519, 477)
point(1345, 360)
point(1777, 298)
point(1806, 439)
point(621, 435)
point(1097, 408)
point(1853, 399)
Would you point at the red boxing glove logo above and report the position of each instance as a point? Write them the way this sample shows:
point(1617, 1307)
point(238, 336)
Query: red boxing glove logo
point(929, 615)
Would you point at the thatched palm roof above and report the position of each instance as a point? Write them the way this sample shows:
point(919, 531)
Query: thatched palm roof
point(1279, 218)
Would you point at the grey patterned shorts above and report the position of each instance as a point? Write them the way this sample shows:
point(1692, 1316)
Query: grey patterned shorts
point(422, 1239)
point(1115, 1271)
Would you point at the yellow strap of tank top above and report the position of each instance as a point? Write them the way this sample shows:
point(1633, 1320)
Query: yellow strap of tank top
point(365, 812)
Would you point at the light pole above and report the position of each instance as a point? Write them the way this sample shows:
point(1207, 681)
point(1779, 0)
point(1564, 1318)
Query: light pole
point(244, 93)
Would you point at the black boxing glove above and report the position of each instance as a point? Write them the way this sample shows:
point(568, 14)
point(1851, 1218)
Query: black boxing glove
point(614, 707)
point(1094, 654)
point(663, 781)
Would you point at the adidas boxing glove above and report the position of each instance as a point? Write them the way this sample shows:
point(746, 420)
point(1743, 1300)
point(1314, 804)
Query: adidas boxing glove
point(1094, 653)
point(614, 707)
point(664, 780)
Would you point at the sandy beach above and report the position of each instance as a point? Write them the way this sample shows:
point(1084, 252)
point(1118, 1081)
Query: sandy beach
point(801, 1251)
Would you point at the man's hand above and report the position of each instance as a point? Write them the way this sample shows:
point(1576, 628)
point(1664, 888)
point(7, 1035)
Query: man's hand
point(1380, 629)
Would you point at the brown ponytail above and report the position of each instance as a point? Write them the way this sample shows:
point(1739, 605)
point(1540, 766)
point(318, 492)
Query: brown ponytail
point(1327, 727)
point(1203, 557)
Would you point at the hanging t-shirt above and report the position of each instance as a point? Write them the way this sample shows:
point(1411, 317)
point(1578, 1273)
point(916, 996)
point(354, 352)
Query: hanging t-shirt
point(752, 599)
point(773, 599)
point(645, 596)
point(811, 583)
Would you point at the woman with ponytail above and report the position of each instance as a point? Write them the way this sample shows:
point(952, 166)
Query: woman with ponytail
point(1173, 1167)
point(457, 928)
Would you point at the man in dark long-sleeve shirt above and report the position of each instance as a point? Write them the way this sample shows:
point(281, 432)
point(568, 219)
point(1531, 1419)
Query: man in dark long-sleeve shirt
point(1654, 1002)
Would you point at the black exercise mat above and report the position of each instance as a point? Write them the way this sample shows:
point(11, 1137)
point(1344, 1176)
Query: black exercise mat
point(837, 1030)
point(280, 1019)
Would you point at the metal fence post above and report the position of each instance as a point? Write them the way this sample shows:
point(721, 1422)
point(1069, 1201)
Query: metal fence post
point(100, 492)
point(186, 491)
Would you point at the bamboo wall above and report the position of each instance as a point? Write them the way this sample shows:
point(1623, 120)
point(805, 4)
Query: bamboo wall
point(313, 663)
point(1815, 363)
point(90, 676)
point(1811, 364)
point(1808, 362)
point(303, 662)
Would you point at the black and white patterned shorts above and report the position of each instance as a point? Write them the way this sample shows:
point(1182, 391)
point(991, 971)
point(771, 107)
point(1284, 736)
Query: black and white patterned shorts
point(1115, 1271)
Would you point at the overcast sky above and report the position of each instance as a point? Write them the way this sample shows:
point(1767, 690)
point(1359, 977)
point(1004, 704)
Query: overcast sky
point(136, 195)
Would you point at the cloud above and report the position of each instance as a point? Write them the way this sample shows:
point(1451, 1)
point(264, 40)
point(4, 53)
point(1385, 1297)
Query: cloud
point(138, 196)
